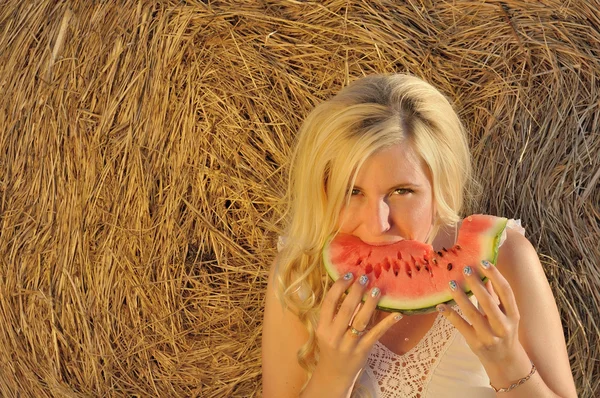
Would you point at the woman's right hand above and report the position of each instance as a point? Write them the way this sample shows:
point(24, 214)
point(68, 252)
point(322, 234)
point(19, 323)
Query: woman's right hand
point(343, 349)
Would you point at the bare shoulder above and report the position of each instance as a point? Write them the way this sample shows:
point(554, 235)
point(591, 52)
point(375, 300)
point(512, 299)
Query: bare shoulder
point(283, 335)
point(540, 328)
point(520, 265)
point(518, 258)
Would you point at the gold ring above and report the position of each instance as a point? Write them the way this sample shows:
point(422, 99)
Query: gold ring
point(357, 332)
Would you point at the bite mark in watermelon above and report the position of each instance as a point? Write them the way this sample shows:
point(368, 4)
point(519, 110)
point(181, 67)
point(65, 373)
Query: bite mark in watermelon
point(413, 278)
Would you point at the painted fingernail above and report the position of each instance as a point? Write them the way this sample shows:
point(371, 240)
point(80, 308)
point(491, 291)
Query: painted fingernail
point(348, 276)
point(441, 308)
point(453, 285)
point(363, 280)
point(398, 316)
point(375, 292)
point(485, 264)
point(467, 270)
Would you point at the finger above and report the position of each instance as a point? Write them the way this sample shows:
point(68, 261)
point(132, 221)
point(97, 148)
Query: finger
point(502, 288)
point(491, 311)
point(363, 317)
point(348, 307)
point(490, 288)
point(332, 298)
point(470, 312)
point(367, 341)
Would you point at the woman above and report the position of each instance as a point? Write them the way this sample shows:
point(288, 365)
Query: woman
point(387, 159)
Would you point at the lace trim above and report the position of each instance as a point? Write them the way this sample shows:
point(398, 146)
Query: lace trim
point(407, 375)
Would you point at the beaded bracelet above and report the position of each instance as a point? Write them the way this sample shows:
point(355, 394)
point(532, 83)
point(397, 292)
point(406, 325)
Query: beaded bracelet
point(516, 383)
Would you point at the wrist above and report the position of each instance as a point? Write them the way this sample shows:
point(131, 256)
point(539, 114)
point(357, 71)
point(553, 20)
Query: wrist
point(326, 385)
point(505, 373)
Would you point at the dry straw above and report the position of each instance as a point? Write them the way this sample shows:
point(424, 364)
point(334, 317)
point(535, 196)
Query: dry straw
point(143, 152)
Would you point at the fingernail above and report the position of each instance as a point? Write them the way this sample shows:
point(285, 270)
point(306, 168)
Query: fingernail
point(467, 270)
point(375, 292)
point(348, 276)
point(441, 308)
point(453, 285)
point(363, 280)
point(398, 316)
point(485, 264)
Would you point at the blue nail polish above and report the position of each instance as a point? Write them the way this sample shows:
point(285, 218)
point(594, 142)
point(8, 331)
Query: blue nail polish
point(375, 292)
point(485, 264)
point(467, 270)
point(453, 285)
point(348, 276)
point(363, 280)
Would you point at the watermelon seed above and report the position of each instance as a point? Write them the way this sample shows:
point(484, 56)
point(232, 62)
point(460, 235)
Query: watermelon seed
point(386, 264)
point(435, 261)
point(409, 272)
point(449, 267)
point(418, 267)
point(429, 270)
point(440, 254)
point(445, 250)
point(377, 270)
point(457, 247)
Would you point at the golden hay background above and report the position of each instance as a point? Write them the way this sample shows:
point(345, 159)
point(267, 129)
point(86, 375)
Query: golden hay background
point(143, 151)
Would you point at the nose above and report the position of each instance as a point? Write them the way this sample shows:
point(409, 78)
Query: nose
point(376, 217)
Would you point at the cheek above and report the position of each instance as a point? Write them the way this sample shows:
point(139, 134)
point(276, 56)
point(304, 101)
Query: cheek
point(414, 218)
point(422, 210)
point(423, 215)
point(423, 218)
point(411, 215)
point(348, 221)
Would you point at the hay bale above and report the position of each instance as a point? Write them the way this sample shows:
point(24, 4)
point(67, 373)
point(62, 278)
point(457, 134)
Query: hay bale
point(143, 152)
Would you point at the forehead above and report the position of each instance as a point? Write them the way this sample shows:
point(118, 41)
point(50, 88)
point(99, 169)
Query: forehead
point(394, 165)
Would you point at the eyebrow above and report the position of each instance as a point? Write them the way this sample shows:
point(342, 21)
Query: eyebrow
point(394, 187)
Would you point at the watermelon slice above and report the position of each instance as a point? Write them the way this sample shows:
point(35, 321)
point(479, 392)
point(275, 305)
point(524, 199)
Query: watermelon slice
point(413, 278)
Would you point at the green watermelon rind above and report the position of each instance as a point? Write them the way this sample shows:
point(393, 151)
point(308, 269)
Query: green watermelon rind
point(497, 236)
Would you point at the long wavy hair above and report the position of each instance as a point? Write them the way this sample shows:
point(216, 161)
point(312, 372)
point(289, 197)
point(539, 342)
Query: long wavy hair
point(335, 139)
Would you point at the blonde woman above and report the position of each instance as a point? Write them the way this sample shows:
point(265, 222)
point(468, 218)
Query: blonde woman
point(387, 159)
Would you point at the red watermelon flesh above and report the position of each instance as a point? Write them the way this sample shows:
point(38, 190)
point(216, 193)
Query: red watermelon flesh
point(413, 278)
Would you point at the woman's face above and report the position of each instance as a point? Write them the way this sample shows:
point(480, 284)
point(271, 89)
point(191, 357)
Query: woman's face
point(392, 198)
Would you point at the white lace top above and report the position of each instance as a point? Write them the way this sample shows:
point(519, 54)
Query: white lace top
point(440, 365)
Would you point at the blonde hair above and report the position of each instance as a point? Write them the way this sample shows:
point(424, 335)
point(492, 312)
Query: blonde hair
point(335, 139)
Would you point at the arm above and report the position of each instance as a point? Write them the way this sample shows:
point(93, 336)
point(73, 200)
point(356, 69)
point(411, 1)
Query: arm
point(540, 330)
point(283, 335)
point(520, 327)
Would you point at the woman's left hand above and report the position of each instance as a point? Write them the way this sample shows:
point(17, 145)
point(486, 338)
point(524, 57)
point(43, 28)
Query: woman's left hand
point(492, 333)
